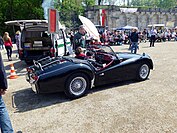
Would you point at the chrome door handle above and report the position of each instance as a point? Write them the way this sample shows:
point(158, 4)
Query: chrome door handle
point(102, 74)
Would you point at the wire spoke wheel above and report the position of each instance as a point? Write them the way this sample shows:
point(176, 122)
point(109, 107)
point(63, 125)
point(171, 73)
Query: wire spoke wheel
point(78, 85)
point(144, 71)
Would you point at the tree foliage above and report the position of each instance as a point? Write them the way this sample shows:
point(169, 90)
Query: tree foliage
point(32, 9)
point(70, 9)
point(155, 3)
point(19, 9)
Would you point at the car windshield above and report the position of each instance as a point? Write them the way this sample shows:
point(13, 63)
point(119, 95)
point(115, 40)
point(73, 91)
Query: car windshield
point(102, 48)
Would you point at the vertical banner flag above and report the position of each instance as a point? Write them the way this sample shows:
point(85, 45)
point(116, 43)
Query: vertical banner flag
point(102, 17)
point(53, 18)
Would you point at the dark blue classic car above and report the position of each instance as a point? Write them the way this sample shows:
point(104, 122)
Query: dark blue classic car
point(75, 76)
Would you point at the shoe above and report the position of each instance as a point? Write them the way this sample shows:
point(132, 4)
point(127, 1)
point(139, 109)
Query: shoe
point(10, 59)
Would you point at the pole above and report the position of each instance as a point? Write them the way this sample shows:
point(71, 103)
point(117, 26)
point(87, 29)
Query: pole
point(11, 14)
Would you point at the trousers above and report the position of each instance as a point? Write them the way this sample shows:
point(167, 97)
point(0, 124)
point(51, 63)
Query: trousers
point(9, 51)
point(5, 123)
point(134, 47)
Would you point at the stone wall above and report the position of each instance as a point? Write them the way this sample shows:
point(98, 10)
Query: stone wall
point(141, 18)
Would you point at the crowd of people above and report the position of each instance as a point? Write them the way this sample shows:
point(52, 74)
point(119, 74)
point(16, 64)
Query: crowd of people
point(120, 37)
point(133, 37)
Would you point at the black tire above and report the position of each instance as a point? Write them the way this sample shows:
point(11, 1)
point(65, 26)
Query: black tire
point(77, 85)
point(143, 72)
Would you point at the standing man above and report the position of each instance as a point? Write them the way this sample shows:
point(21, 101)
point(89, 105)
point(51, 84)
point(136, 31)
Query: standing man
point(134, 40)
point(79, 38)
point(153, 34)
point(5, 123)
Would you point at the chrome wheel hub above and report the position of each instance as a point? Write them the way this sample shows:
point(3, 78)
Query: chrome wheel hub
point(144, 70)
point(78, 85)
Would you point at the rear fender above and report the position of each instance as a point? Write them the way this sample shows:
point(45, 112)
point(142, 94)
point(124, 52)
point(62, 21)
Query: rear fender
point(83, 69)
point(67, 70)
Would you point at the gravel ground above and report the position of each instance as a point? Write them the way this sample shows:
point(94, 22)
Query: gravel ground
point(129, 107)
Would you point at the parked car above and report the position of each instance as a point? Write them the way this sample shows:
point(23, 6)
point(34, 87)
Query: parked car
point(36, 42)
point(75, 76)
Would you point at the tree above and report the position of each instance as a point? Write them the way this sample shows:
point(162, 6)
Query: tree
point(19, 9)
point(111, 2)
point(88, 3)
point(70, 9)
point(166, 3)
point(154, 3)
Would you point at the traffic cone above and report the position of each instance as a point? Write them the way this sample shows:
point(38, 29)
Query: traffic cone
point(13, 74)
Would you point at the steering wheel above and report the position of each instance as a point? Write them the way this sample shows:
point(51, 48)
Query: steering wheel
point(103, 57)
point(90, 54)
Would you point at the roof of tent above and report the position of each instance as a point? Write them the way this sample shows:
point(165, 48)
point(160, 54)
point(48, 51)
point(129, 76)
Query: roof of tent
point(127, 27)
point(156, 25)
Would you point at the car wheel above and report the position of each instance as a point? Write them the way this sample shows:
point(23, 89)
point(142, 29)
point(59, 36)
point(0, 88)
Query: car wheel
point(77, 85)
point(143, 72)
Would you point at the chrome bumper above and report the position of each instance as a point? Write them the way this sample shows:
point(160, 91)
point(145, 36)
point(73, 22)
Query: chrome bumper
point(33, 85)
point(34, 88)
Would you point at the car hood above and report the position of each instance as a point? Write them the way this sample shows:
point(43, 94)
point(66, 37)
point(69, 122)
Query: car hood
point(127, 55)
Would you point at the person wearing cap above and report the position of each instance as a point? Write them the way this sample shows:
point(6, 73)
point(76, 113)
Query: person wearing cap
point(5, 123)
point(81, 55)
point(79, 38)
point(134, 40)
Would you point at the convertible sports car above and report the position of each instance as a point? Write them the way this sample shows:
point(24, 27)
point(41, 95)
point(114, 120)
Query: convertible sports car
point(75, 76)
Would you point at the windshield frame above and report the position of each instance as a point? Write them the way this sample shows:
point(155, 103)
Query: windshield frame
point(102, 48)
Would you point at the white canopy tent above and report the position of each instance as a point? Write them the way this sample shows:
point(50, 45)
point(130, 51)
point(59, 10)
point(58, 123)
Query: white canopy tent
point(90, 27)
point(127, 27)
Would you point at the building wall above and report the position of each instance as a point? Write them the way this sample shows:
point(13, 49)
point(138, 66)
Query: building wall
point(141, 18)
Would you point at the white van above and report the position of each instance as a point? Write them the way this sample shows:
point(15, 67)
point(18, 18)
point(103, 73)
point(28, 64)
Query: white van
point(157, 26)
point(36, 42)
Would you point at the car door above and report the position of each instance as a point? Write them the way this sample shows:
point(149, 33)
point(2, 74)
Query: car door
point(63, 43)
point(112, 74)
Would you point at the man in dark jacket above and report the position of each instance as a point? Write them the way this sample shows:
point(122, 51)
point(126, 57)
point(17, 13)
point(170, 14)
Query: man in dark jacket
point(5, 123)
point(79, 38)
point(134, 40)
